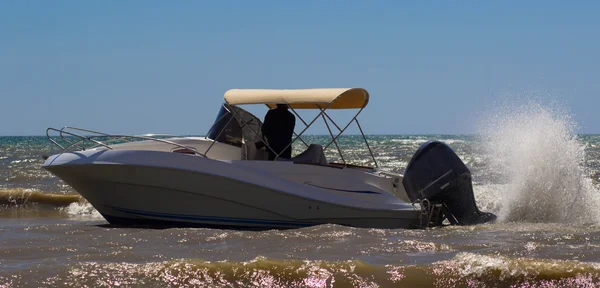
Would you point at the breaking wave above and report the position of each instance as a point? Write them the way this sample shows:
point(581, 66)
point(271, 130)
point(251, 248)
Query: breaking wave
point(465, 269)
point(538, 163)
point(19, 197)
point(71, 204)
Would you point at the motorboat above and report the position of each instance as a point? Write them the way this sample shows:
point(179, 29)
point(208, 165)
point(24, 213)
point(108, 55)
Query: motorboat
point(225, 180)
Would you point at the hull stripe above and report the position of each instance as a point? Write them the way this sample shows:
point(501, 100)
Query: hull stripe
point(260, 222)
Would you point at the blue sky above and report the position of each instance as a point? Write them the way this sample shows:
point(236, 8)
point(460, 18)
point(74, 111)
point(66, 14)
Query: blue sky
point(163, 66)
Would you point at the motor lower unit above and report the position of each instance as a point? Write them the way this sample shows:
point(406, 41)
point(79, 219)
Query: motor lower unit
point(436, 176)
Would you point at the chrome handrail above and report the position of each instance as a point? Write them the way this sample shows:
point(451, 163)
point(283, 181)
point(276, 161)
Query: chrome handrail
point(96, 132)
point(128, 138)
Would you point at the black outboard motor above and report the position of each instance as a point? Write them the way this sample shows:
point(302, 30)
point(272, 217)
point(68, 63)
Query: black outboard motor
point(437, 174)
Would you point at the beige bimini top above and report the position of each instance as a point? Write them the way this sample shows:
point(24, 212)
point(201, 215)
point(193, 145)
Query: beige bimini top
point(330, 98)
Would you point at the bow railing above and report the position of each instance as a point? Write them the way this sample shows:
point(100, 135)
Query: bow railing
point(71, 139)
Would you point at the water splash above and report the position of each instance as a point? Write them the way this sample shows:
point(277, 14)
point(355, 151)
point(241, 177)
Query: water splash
point(82, 210)
point(532, 149)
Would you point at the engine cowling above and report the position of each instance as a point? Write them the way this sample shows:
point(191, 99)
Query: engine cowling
point(437, 174)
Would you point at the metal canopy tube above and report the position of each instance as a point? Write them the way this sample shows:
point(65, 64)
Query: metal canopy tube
point(335, 142)
point(301, 139)
point(259, 136)
point(305, 144)
point(302, 132)
point(338, 135)
point(299, 117)
point(215, 123)
point(366, 142)
point(214, 140)
point(336, 126)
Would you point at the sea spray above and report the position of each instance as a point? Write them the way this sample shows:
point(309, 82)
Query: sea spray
point(81, 210)
point(534, 152)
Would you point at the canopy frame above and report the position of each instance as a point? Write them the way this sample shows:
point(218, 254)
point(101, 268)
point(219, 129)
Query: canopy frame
point(322, 114)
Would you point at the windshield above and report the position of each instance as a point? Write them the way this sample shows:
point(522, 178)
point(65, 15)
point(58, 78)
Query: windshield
point(235, 128)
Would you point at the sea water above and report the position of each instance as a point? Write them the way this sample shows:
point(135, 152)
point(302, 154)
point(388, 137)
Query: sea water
point(528, 165)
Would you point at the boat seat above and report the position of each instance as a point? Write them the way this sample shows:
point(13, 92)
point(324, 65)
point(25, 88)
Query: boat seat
point(249, 152)
point(312, 155)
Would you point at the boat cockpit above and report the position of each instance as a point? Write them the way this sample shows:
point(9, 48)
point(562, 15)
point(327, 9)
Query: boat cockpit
point(238, 127)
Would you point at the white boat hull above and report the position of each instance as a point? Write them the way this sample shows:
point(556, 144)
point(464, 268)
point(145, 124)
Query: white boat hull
point(133, 187)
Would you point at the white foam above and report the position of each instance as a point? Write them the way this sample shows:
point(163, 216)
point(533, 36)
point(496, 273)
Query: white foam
point(535, 150)
point(409, 141)
point(502, 267)
point(82, 210)
point(452, 141)
point(471, 264)
point(487, 196)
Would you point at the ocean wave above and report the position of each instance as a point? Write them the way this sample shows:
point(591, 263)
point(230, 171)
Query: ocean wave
point(19, 197)
point(472, 264)
point(523, 272)
point(464, 270)
point(73, 205)
point(409, 141)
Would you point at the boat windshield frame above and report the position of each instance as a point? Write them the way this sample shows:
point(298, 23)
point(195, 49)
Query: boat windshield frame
point(298, 136)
